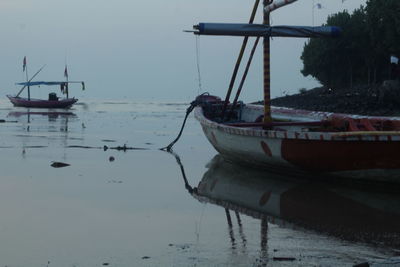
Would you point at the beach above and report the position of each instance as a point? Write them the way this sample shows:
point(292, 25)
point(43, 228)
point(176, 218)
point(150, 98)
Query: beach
point(89, 186)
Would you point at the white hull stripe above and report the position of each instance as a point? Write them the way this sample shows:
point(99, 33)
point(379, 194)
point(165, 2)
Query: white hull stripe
point(336, 136)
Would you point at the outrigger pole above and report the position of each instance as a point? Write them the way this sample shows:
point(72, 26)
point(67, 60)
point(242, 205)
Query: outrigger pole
point(238, 61)
point(22, 89)
point(239, 90)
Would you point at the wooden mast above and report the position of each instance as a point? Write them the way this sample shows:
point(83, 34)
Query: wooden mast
point(269, 6)
point(66, 79)
point(267, 66)
point(27, 80)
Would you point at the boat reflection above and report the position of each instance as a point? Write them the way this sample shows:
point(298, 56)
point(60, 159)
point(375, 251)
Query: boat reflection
point(52, 116)
point(335, 210)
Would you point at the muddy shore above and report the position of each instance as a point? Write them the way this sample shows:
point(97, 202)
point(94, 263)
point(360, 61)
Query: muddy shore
point(380, 100)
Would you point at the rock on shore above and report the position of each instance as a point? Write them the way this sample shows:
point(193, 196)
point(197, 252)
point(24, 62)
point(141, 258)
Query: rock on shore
point(383, 100)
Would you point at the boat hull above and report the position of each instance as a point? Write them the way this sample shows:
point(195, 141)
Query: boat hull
point(325, 154)
point(40, 103)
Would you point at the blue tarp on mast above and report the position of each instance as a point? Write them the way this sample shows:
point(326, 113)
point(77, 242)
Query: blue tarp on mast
point(44, 83)
point(261, 30)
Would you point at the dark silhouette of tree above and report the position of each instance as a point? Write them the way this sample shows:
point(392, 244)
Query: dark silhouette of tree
point(361, 55)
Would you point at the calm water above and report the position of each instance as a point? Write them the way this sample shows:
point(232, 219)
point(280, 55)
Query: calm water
point(134, 208)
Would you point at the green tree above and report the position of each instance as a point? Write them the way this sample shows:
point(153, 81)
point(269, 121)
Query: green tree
point(361, 55)
point(331, 61)
point(383, 24)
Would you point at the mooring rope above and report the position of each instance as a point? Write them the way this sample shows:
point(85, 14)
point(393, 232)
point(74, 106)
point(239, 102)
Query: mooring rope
point(188, 111)
point(193, 104)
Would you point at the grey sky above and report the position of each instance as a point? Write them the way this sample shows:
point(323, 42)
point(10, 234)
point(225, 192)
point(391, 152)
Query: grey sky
point(137, 50)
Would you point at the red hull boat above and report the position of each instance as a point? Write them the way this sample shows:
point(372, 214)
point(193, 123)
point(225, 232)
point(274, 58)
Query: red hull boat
point(41, 103)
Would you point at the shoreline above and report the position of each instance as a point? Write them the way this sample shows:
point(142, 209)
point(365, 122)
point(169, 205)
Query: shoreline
point(383, 100)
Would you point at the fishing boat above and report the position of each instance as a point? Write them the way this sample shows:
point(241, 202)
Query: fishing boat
point(326, 144)
point(53, 100)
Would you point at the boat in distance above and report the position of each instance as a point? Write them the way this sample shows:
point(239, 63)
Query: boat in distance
point(53, 100)
point(41, 103)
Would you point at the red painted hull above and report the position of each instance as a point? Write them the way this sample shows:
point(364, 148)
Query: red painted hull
point(40, 103)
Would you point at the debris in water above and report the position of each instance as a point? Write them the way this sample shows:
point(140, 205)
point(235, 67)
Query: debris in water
point(145, 257)
point(125, 148)
point(283, 259)
point(364, 264)
point(111, 158)
point(59, 164)
point(114, 182)
point(86, 147)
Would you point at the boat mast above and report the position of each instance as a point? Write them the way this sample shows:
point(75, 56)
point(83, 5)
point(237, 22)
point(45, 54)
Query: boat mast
point(269, 6)
point(66, 78)
point(27, 80)
point(267, 66)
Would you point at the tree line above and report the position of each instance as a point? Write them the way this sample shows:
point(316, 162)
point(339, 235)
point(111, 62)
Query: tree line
point(371, 35)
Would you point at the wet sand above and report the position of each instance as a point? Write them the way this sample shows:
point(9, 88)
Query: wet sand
point(130, 207)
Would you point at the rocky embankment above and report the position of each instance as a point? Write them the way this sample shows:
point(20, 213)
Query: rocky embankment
point(383, 100)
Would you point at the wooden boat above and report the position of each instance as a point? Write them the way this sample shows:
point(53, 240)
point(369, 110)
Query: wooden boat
point(296, 141)
point(41, 103)
point(52, 102)
point(305, 142)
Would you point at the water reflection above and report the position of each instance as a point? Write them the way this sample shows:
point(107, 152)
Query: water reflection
point(52, 117)
point(329, 209)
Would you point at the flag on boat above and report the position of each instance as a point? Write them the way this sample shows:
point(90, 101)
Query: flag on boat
point(24, 64)
point(261, 30)
point(66, 72)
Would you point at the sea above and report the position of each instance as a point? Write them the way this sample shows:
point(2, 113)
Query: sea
point(89, 186)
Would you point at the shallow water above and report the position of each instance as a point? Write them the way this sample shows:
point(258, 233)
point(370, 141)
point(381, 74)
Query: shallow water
point(113, 207)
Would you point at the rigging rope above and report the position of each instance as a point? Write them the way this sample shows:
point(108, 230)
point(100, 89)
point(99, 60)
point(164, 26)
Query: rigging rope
point(198, 63)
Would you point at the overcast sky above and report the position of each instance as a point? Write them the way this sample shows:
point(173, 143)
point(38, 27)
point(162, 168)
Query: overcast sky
point(132, 49)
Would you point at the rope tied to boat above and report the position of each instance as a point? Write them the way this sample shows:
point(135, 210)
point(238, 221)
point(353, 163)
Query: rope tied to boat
point(189, 110)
